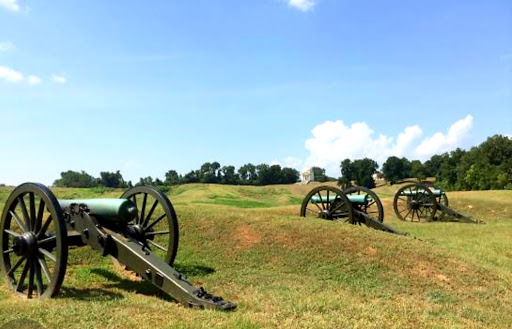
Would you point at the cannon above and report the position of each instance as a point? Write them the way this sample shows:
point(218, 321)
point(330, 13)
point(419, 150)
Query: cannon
point(421, 202)
point(355, 205)
point(140, 230)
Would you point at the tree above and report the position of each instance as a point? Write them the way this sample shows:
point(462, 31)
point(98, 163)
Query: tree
point(248, 174)
point(417, 170)
point(396, 169)
point(262, 174)
point(229, 176)
point(347, 174)
point(209, 172)
point(110, 179)
point(359, 172)
point(75, 179)
point(289, 176)
point(319, 174)
point(191, 177)
point(145, 181)
point(172, 178)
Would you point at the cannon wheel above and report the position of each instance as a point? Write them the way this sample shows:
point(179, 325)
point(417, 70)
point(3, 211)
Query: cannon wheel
point(415, 203)
point(339, 208)
point(442, 200)
point(374, 208)
point(33, 242)
point(156, 220)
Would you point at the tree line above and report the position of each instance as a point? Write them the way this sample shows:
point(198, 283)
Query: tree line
point(210, 172)
point(483, 167)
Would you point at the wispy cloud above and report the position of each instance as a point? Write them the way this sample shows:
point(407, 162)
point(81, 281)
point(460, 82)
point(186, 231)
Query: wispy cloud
point(10, 5)
point(58, 78)
point(33, 80)
point(333, 141)
point(288, 162)
point(10, 75)
point(6, 46)
point(302, 5)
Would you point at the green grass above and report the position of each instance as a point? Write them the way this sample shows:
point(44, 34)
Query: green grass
point(249, 245)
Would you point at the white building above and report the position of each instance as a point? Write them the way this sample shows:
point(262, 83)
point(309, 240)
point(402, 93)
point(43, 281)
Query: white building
point(307, 176)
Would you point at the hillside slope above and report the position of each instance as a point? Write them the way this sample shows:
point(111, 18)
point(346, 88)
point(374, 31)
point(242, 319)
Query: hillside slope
point(249, 245)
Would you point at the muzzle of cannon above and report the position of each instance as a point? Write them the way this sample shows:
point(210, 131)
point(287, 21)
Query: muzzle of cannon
point(140, 230)
point(355, 205)
point(421, 202)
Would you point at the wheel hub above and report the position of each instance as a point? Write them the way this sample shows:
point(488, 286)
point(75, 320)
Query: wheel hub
point(415, 204)
point(324, 214)
point(25, 245)
point(137, 232)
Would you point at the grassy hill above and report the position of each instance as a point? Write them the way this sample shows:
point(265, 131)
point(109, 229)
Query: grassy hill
point(249, 245)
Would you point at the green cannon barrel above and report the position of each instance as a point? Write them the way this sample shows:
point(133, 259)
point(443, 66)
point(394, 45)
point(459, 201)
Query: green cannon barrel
point(357, 199)
point(435, 192)
point(116, 210)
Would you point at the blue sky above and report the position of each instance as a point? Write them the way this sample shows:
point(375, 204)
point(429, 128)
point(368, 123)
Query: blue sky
point(145, 87)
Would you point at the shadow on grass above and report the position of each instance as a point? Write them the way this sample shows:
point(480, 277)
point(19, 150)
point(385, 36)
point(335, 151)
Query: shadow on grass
point(193, 270)
point(88, 294)
point(143, 287)
point(140, 287)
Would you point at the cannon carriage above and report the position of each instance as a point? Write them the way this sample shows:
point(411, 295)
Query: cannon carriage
point(140, 230)
point(356, 205)
point(423, 202)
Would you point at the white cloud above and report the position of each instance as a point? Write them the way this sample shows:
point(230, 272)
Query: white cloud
point(302, 5)
point(10, 4)
point(33, 80)
point(288, 162)
point(13, 76)
point(59, 78)
point(440, 143)
point(332, 142)
point(6, 46)
point(405, 139)
point(10, 75)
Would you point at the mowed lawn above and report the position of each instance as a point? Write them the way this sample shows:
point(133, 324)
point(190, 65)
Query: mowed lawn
point(248, 245)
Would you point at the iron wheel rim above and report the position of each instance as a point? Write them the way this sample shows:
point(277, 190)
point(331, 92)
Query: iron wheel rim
point(40, 226)
point(149, 202)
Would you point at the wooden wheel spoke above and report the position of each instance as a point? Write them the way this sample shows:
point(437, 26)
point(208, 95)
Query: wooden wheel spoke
point(40, 214)
point(39, 278)
point(44, 267)
point(50, 239)
point(18, 221)
point(15, 267)
point(338, 206)
point(47, 254)
point(321, 201)
point(313, 211)
point(157, 233)
point(8, 251)
point(11, 233)
point(24, 211)
point(143, 210)
point(32, 206)
point(150, 213)
point(31, 278)
point(157, 245)
point(155, 222)
point(23, 276)
point(45, 226)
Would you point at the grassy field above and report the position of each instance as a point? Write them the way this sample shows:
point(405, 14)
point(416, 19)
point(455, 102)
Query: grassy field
point(249, 245)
